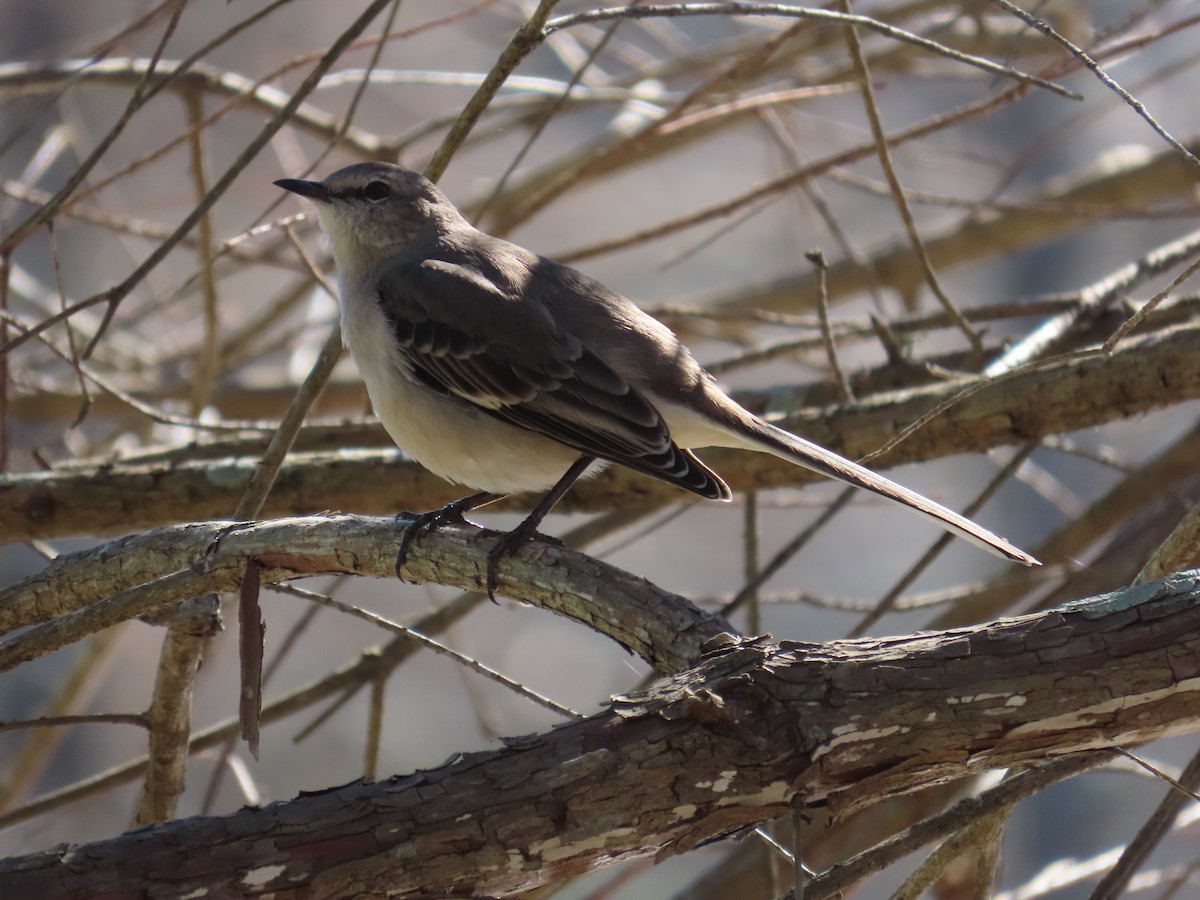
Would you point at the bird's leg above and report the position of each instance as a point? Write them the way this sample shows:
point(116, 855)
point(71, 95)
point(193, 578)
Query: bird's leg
point(528, 527)
point(450, 514)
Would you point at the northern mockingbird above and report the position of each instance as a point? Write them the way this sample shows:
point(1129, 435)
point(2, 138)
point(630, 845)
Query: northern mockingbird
point(499, 369)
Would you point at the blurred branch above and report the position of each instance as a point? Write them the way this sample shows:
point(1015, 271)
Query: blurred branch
point(114, 295)
point(1144, 373)
point(930, 277)
point(820, 15)
point(1129, 178)
point(32, 79)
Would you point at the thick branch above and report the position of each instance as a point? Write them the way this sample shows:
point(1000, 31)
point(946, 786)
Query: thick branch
point(720, 748)
point(81, 593)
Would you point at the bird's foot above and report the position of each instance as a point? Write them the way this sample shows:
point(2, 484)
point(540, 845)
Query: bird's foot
point(506, 544)
point(450, 514)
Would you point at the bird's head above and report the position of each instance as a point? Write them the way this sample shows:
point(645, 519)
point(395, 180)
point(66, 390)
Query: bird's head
point(372, 209)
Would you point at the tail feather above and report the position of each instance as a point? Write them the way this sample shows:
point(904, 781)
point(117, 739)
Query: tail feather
point(797, 450)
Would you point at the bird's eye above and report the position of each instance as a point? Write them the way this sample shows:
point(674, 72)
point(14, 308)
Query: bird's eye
point(376, 191)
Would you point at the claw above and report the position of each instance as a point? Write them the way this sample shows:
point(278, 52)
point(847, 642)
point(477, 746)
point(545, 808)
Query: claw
point(528, 526)
point(506, 544)
point(450, 514)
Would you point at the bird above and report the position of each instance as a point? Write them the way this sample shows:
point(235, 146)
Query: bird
point(507, 372)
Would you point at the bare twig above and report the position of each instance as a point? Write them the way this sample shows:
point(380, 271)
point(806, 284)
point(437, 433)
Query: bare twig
point(817, 258)
point(823, 15)
point(1107, 80)
point(527, 38)
point(113, 296)
point(889, 171)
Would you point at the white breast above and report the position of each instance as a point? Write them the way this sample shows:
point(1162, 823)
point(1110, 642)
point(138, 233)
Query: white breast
point(448, 436)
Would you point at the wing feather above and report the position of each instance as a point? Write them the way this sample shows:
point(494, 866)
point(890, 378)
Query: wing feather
point(521, 368)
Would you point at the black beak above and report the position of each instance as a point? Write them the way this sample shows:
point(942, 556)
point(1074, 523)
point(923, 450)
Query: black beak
point(312, 189)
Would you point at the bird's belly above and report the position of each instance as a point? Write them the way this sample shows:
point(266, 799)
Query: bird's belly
point(445, 434)
point(463, 444)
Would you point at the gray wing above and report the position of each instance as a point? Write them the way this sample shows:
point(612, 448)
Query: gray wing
point(464, 336)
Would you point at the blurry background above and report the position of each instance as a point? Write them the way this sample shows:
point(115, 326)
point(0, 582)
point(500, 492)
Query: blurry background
point(1030, 198)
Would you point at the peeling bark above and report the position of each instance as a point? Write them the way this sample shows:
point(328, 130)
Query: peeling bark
point(732, 742)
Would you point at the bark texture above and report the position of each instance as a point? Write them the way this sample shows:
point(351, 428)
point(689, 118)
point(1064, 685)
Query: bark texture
point(751, 729)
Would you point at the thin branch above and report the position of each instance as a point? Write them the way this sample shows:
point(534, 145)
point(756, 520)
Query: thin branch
point(138, 719)
point(822, 15)
point(889, 171)
point(441, 649)
point(835, 367)
point(113, 296)
point(1134, 856)
point(524, 42)
point(1107, 80)
point(208, 365)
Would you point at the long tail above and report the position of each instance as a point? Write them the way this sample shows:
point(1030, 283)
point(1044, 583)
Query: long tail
point(795, 449)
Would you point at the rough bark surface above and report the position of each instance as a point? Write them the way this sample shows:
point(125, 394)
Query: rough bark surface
point(752, 728)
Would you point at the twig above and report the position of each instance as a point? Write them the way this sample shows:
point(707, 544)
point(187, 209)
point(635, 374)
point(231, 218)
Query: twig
point(1148, 307)
point(1107, 80)
point(778, 9)
point(208, 365)
point(1153, 830)
point(817, 258)
point(438, 647)
point(138, 719)
point(524, 42)
point(889, 171)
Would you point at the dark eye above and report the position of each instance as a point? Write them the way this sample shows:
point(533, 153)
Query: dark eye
point(376, 191)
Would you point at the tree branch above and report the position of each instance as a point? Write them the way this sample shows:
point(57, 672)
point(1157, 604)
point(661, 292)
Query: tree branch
point(81, 593)
point(1145, 373)
point(758, 725)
